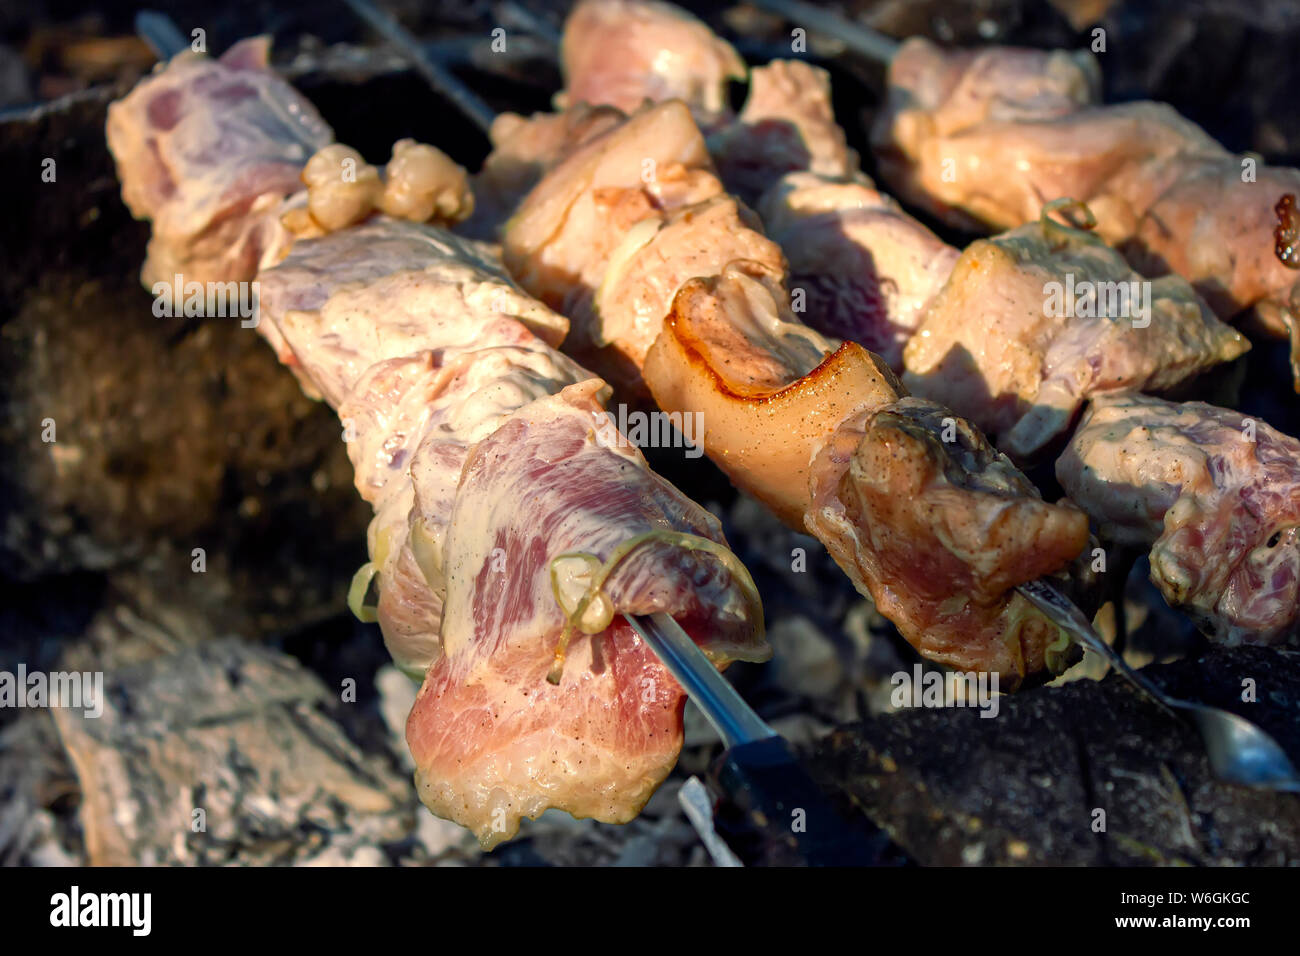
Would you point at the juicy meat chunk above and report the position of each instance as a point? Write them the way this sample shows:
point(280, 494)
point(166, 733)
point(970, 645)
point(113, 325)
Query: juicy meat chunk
point(938, 527)
point(1033, 322)
point(624, 52)
point(524, 148)
point(424, 347)
point(1218, 233)
point(1215, 494)
point(208, 149)
point(786, 125)
point(494, 470)
point(492, 739)
point(512, 520)
point(986, 138)
point(610, 235)
point(866, 269)
point(443, 290)
point(773, 392)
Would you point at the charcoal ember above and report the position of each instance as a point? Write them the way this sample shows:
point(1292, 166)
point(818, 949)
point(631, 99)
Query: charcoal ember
point(1022, 788)
point(244, 734)
point(164, 429)
point(170, 433)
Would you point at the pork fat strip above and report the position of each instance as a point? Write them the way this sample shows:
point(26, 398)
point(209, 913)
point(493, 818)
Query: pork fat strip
point(1215, 494)
point(1034, 321)
point(713, 332)
point(506, 504)
point(207, 149)
point(984, 138)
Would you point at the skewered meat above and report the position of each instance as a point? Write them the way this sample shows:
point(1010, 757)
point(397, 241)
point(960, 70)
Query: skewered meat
point(523, 149)
point(986, 138)
point(928, 524)
point(621, 224)
point(1032, 322)
point(867, 270)
point(513, 523)
point(623, 52)
point(862, 269)
point(207, 149)
point(786, 125)
point(772, 392)
point(1215, 494)
point(492, 738)
point(487, 456)
point(491, 743)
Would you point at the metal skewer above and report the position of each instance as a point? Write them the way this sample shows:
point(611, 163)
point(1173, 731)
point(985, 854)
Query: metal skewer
point(734, 720)
point(1239, 751)
point(865, 41)
point(437, 76)
point(160, 33)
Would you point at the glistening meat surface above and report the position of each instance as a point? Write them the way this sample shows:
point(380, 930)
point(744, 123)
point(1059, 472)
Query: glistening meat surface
point(623, 52)
point(867, 270)
point(485, 454)
point(985, 138)
point(771, 390)
point(493, 740)
point(488, 456)
point(861, 268)
point(1033, 321)
point(207, 149)
point(922, 513)
point(1216, 496)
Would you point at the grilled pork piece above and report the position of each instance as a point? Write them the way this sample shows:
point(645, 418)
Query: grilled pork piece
point(922, 513)
point(207, 149)
point(986, 138)
point(867, 270)
point(492, 465)
point(1215, 494)
point(773, 392)
point(513, 523)
point(523, 149)
point(619, 226)
point(1032, 322)
point(787, 125)
point(862, 268)
point(623, 52)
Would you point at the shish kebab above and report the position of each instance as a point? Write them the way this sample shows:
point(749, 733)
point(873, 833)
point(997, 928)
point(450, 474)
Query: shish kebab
point(958, 605)
point(981, 138)
point(1249, 755)
point(975, 327)
point(457, 355)
point(1263, 562)
point(1238, 505)
point(468, 430)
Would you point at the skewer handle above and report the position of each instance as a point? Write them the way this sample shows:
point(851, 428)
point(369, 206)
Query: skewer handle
point(160, 32)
